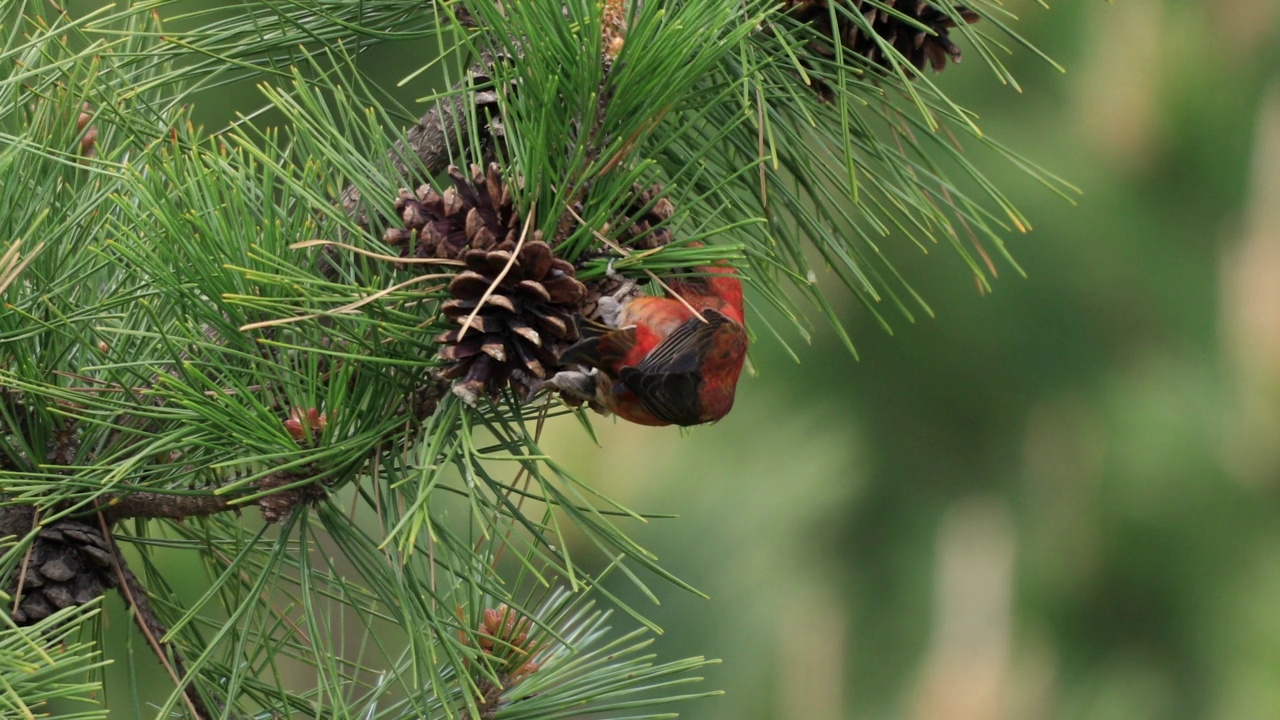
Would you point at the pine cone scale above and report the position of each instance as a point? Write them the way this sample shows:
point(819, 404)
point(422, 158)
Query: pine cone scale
point(533, 291)
point(60, 569)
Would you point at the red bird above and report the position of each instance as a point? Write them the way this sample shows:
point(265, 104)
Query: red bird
point(664, 365)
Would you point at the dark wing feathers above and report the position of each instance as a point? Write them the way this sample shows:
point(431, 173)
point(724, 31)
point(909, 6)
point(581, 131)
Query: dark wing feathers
point(683, 349)
point(670, 397)
point(668, 379)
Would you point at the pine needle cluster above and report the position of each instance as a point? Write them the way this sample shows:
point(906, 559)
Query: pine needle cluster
point(215, 347)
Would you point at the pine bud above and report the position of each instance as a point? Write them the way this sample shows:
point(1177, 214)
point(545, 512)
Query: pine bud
point(299, 424)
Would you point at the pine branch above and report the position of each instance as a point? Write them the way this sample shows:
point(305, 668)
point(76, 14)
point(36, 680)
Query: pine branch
point(18, 519)
point(284, 490)
point(135, 598)
point(154, 348)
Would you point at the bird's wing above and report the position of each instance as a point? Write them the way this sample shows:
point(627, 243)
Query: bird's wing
point(682, 351)
point(669, 397)
point(668, 379)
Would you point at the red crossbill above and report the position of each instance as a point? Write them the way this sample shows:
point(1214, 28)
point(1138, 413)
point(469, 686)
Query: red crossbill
point(665, 365)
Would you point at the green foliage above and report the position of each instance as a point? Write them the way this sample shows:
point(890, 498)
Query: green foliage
point(162, 299)
point(43, 664)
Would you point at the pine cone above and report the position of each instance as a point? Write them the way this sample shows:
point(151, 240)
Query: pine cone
point(504, 633)
point(648, 213)
point(522, 327)
point(477, 214)
point(918, 46)
point(488, 111)
point(70, 564)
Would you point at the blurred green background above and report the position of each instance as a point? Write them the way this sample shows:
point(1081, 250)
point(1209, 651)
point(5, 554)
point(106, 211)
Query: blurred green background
point(1060, 500)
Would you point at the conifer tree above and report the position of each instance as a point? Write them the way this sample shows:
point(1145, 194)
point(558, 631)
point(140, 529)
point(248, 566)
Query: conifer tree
point(305, 351)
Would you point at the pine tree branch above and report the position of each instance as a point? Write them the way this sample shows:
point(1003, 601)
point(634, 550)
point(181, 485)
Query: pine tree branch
point(17, 520)
point(135, 597)
point(164, 505)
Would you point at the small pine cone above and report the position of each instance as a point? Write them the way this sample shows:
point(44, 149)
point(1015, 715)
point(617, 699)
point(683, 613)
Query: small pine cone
point(504, 633)
point(425, 400)
point(648, 214)
point(303, 424)
point(646, 227)
point(64, 444)
point(523, 326)
point(919, 47)
point(488, 109)
point(473, 214)
point(70, 564)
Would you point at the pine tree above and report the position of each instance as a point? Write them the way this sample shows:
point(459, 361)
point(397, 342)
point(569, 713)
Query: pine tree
point(246, 345)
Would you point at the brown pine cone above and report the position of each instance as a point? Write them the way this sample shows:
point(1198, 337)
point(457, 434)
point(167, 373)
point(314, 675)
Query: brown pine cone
point(932, 47)
point(475, 214)
point(522, 327)
point(70, 564)
point(647, 213)
point(615, 286)
point(645, 222)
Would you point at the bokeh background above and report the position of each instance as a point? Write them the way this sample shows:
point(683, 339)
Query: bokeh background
point(1058, 500)
point(1061, 500)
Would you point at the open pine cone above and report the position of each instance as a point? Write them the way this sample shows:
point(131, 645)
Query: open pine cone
point(918, 46)
point(473, 214)
point(70, 564)
point(521, 328)
point(647, 212)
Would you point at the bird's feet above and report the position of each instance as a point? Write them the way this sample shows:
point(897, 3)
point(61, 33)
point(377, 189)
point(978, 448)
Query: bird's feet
point(575, 384)
point(610, 306)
